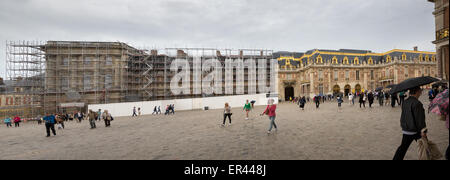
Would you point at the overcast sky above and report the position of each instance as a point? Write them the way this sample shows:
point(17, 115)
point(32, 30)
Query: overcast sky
point(280, 25)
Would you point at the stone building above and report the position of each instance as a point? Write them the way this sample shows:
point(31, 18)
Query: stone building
point(347, 71)
point(441, 14)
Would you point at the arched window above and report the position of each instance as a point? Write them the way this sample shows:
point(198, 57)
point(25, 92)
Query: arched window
point(356, 60)
point(433, 58)
point(345, 60)
point(404, 56)
point(335, 60)
point(427, 58)
point(319, 59)
point(421, 58)
point(388, 59)
point(370, 61)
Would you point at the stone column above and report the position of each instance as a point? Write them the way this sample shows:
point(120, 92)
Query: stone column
point(311, 77)
point(365, 86)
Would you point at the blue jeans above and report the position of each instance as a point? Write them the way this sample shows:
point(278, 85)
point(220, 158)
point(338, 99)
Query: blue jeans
point(272, 123)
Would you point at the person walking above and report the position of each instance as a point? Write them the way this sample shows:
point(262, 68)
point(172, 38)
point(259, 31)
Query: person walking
point(317, 101)
point(302, 102)
point(362, 100)
point(339, 100)
point(92, 118)
point(271, 112)
point(350, 99)
point(402, 96)
point(247, 108)
point(139, 111)
point(412, 121)
point(79, 116)
point(107, 118)
point(173, 109)
point(99, 115)
point(50, 124)
point(17, 121)
point(7, 121)
point(167, 110)
point(134, 112)
point(371, 98)
point(155, 110)
point(159, 110)
point(60, 121)
point(381, 98)
point(226, 113)
point(387, 96)
point(394, 99)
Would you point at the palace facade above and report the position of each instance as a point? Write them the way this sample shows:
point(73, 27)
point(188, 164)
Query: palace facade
point(346, 70)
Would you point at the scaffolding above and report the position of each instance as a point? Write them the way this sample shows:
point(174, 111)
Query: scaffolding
point(66, 76)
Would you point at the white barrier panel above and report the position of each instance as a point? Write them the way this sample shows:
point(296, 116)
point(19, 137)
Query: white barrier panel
point(126, 109)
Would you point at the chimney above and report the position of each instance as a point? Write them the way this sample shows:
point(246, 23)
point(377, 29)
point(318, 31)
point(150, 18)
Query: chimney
point(218, 54)
point(241, 53)
point(416, 48)
point(262, 53)
point(154, 52)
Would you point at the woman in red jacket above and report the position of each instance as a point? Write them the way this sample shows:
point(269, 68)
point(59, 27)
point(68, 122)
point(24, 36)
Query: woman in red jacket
point(17, 121)
point(270, 111)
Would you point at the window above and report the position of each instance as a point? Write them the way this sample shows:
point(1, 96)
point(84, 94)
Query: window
point(336, 76)
point(356, 60)
point(320, 75)
point(87, 82)
point(108, 81)
point(433, 58)
point(370, 61)
point(357, 75)
point(345, 60)
point(404, 56)
point(65, 61)
point(427, 58)
point(335, 60)
point(371, 75)
point(388, 59)
point(319, 59)
point(64, 83)
point(87, 60)
point(347, 75)
point(320, 88)
point(289, 77)
point(109, 60)
point(387, 73)
point(421, 58)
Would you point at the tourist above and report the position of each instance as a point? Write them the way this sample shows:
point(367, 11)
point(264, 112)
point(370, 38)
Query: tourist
point(107, 118)
point(92, 117)
point(7, 121)
point(394, 99)
point(247, 109)
point(134, 112)
point(155, 110)
point(302, 102)
point(370, 97)
point(39, 120)
point(339, 100)
point(139, 111)
point(98, 115)
point(227, 113)
point(351, 101)
point(430, 95)
point(70, 117)
point(362, 100)
point(270, 111)
point(253, 103)
point(17, 121)
point(50, 124)
point(79, 116)
point(387, 96)
point(402, 96)
point(412, 122)
point(159, 110)
point(167, 110)
point(60, 121)
point(316, 99)
point(172, 108)
point(380, 98)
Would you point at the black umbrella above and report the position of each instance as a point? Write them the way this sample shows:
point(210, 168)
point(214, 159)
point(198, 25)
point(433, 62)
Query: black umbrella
point(379, 88)
point(440, 83)
point(412, 83)
point(391, 86)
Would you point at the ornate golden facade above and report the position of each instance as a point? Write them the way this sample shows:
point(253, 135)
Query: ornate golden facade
point(343, 71)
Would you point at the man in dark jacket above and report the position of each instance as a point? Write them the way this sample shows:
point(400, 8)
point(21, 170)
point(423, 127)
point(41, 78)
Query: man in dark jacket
point(381, 98)
point(394, 99)
point(412, 122)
